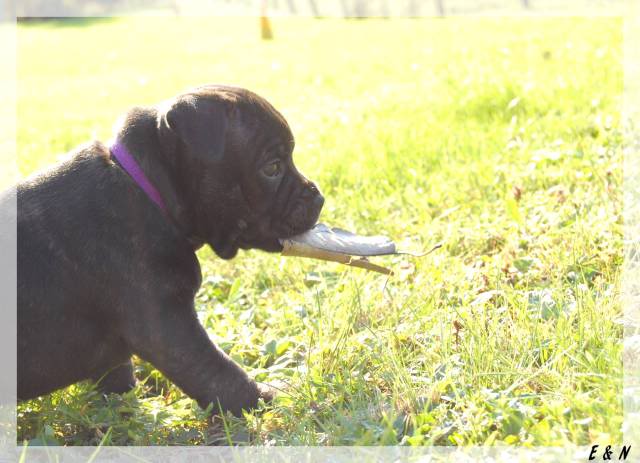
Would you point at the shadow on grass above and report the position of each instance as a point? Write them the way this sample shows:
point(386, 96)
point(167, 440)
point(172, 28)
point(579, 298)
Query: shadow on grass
point(64, 22)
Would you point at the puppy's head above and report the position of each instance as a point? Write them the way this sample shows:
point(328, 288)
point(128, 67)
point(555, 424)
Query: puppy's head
point(231, 153)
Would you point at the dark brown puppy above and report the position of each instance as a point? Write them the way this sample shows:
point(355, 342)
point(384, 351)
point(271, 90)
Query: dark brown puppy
point(104, 273)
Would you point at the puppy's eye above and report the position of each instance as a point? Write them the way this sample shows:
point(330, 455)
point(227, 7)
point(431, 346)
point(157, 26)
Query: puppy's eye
point(272, 169)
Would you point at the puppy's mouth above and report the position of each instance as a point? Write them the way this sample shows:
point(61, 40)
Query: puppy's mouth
point(267, 238)
point(255, 235)
point(266, 233)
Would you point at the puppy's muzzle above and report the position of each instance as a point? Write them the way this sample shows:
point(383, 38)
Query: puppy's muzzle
point(305, 211)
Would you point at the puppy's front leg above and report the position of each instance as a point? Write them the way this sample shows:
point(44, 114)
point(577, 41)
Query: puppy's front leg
point(118, 379)
point(176, 344)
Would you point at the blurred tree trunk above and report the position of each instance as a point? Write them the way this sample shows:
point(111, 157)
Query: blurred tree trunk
point(525, 3)
point(384, 9)
point(175, 8)
point(5, 11)
point(440, 7)
point(314, 9)
point(360, 9)
point(413, 8)
point(345, 8)
point(292, 6)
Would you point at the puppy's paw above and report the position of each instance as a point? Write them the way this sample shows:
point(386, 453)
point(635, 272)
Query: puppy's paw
point(267, 392)
point(117, 380)
point(241, 394)
point(237, 396)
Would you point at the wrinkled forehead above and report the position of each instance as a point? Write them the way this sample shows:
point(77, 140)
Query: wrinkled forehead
point(252, 112)
point(260, 117)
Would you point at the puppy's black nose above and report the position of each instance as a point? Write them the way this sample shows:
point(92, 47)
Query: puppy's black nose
point(317, 198)
point(313, 188)
point(318, 201)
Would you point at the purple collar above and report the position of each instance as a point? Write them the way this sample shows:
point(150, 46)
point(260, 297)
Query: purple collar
point(129, 164)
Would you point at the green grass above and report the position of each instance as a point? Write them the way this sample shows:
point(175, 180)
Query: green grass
point(499, 137)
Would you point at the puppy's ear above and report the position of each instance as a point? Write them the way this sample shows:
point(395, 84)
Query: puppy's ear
point(198, 124)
